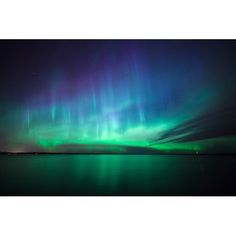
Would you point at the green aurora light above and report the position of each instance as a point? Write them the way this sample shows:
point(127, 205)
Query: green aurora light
point(162, 98)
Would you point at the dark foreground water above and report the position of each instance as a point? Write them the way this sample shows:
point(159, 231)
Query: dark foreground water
point(125, 175)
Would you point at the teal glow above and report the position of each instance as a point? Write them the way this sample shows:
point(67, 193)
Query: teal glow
point(160, 98)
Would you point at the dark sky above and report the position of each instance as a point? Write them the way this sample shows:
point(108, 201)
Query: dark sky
point(137, 93)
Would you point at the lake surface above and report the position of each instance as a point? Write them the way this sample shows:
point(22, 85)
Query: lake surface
point(117, 175)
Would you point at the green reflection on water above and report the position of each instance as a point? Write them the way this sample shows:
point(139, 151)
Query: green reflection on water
point(105, 174)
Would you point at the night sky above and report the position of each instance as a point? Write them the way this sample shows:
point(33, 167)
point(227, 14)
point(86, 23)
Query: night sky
point(120, 96)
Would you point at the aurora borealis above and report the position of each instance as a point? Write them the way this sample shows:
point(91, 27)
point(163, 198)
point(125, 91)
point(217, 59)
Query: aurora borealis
point(118, 95)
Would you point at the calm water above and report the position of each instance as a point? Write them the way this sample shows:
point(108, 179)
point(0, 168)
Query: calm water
point(125, 175)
